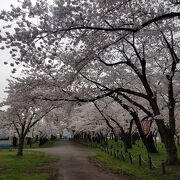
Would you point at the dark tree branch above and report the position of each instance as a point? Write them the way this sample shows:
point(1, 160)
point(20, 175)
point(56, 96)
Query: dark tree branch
point(112, 64)
point(107, 122)
point(127, 29)
point(136, 104)
point(111, 91)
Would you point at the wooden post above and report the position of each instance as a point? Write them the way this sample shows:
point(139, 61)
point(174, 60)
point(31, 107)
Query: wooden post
point(130, 158)
point(114, 153)
point(150, 162)
point(122, 156)
point(163, 167)
point(140, 160)
point(117, 154)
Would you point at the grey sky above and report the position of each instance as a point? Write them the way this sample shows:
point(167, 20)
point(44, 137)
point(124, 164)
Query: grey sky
point(5, 70)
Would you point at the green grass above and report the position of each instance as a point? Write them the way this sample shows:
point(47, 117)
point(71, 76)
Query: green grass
point(143, 172)
point(24, 168)
point(139, 148)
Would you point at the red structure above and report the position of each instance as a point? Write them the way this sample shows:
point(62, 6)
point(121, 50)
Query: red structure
point(145, 125)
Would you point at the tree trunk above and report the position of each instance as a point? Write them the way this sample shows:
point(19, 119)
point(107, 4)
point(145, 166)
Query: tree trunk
point(150, 143)
point(14, 141)
point(138, 124)
point(147, 141)
point(167, 137)
point(171, 149)
point(115, 138)
point(135, 137)
point(126, 138)
point(20, 146)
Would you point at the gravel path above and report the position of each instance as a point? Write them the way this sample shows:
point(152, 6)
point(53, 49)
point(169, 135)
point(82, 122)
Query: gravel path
point(74, 163)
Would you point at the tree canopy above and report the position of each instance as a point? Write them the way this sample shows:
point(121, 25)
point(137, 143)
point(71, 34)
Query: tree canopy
point(84, 51)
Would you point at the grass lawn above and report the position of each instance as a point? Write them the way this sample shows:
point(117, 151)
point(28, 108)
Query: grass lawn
point(28, 167)
point(133, 170)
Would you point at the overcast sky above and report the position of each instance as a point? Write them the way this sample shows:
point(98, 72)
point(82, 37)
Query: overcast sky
point(5, 70)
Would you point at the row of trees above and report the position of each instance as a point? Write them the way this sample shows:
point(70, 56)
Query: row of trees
point(78, 51)
point(102, 120)
point(29, 117)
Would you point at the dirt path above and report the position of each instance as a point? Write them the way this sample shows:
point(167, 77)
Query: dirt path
point(74, 163)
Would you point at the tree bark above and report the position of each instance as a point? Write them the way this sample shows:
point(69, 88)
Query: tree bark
point(150, 143)
point(171, 149)
point(167, 136)
point(139, 127)
point(135, 137)
point(126, 138)
point(14, 141)
point(20, 146)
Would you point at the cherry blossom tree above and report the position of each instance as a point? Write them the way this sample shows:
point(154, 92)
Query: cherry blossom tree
point(119, 48)
point(53, 123)
point(107, 115)
point(23, 112)
point(86, 122)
